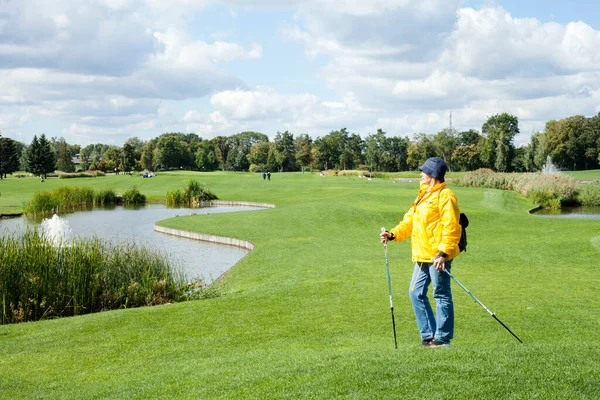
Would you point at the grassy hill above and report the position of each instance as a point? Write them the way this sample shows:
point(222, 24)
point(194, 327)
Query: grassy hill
point(306, 314)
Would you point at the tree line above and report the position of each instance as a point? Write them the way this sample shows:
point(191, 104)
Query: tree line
point(572, 143)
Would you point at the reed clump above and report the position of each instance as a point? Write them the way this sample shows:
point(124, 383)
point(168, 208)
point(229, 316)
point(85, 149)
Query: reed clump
point(40, 280)
point(546, 190)
point(133, 196)
point(103, 197)
point(588, 195)
point(69, 198)
point(195, 194)
point(83, 174)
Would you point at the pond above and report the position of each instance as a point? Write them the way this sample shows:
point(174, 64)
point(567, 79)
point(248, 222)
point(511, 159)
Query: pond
point(588, 212)
point(196, 258)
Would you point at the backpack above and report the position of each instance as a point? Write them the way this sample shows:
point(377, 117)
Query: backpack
point(464, 222)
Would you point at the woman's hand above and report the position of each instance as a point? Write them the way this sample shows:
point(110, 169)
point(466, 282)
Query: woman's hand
point(440, 263)
point(385, 236)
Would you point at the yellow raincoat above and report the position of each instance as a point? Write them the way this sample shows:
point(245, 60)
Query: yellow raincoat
point(432, 222)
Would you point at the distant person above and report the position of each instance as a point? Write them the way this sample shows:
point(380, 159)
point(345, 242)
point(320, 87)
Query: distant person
point(432, 223)
point(268, 175)
point(264, 176)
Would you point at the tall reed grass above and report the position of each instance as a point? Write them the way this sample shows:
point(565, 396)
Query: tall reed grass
point(68, 199)
point(546, 190)
point(103, 197)
point(133, 196)
point(86, 174)
point(588, 195)
point(41, 280)
point(193, 195)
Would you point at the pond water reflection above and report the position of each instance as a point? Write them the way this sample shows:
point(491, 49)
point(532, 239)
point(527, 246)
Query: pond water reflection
point(571, 212)
point(196, 258)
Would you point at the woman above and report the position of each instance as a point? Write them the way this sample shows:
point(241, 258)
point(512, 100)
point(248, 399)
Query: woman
point(432, 222)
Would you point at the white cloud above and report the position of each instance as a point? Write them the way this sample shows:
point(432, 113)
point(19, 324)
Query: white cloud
point(110, 66)
point(182, 52)
point(490, 43)
point(482, 62)
point(265, 110)
point(13, 120)
point(260, 103)
point(383, 28)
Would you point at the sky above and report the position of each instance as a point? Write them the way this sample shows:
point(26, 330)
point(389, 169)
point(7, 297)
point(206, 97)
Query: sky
point(103, 71)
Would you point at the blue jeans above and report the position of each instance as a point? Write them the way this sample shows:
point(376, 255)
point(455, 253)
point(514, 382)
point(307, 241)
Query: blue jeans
point(442, 325)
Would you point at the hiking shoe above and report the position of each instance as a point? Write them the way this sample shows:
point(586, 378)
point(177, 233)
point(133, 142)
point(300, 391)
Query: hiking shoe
point(439, 343)
point(427, 342)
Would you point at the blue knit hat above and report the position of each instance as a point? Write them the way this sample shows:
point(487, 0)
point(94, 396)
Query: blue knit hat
point(435, 167)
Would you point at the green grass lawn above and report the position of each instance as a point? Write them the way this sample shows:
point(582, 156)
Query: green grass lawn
point(589, 175)
point(306, 314)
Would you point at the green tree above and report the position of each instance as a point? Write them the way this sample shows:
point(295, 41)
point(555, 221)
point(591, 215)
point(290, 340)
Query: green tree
point(206, 160)
point(9, 156)
point(520, 161)
point(132, 154)
point(303, 150)
point(24, 158)
point(354, 148)
point(423, 150)
point(579, 150)
point(375, 149)
point(466, 158)
point(444, 144)
point(469, 137)
point(259, 155)
point(284, 151)
point(413, 158)
point(499, 131)
point(40, 157)
point(222, 146)
point(85, 158)
point(129, 157)
point(240, 145)
point(398, 153)
point(64, 158)
point(272, 159)
point(328, 153)
point(91, 156)
point(113, 157)
point(172, 152)
point(147, 156)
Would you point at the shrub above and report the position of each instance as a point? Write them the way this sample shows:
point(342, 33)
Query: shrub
point(174, 198)
point(546, 190)
point(198, 289)
point(196, 195)
point(72, 197)
point(106, 196)
point(256, 168)
point(588, 195)
point(42, 203)
point(87, 174)
point(351, 172)
point(133, 196)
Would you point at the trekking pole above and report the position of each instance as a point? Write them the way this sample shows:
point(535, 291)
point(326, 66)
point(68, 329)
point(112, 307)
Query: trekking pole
point(481, 304)
point(389, 279)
